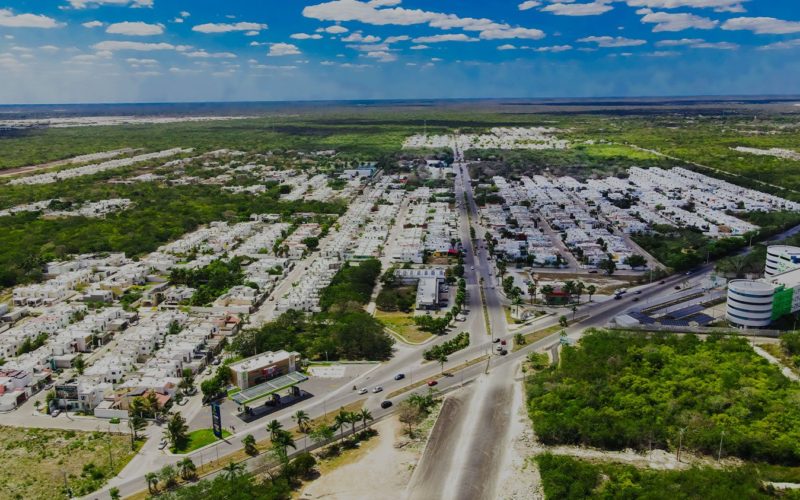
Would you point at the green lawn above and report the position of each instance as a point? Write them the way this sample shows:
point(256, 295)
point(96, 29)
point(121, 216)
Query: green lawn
point(199, 438)
point(403, 325)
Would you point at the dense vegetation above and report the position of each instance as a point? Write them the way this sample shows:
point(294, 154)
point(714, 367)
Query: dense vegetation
point(683, 248)
point(566, 478)
point(353, 283)
point(238, 486)
point(345, 332)
point(460, 341)
point(210, 281)
point(160, 214)
point(624, 390)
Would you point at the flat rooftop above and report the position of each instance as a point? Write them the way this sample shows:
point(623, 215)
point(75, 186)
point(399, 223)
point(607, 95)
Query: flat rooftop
point(260, 360)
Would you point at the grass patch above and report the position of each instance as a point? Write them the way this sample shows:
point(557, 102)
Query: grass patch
point(403, 325)
point(536, 336)
point(567, 478)
point(35, 461)
point(781, 355)
point(199, 438)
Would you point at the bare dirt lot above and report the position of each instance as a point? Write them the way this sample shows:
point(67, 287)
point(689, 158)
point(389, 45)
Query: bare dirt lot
point(381, 473)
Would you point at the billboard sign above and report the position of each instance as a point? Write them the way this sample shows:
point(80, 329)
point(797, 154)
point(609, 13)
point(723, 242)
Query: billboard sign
point(216, 420)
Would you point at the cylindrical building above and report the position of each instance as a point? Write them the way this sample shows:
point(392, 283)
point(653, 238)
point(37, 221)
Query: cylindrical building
point(781, 258)
point(750, 303)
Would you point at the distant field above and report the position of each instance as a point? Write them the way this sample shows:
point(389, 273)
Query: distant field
point(35, 463)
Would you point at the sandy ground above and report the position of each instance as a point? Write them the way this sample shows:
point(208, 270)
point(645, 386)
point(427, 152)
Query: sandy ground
point(519, 477)
point(382, 473)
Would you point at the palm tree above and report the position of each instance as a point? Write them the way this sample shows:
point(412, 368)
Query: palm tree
point(579, 288)
point(168, 475)
point(152, 482)
point(569, 288)
point(574, 312)
point(340, 420)
point(547, 290)
point(532, 291)
point(441, 357)
point(274, 427)
point(187, 468)
point(232, 470)
point(176, 430)
point(136, 423)
point(302, 419)
point(114, 494)
point(249, 443)
point(591, 290)
point(365, 416)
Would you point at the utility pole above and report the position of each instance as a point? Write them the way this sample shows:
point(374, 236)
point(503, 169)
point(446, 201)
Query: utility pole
point(719, 454)
point(680, 442)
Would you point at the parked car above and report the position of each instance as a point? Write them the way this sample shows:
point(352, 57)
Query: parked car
point(677, 287)
point(638, 292)
point(162, 445)
point(636, 299)
point(56, 412)
point(431, 383)
point(661, 282)
point(617, 297)
point(496, 340)
point(363, 391)
point(386, 404)
point(499, 348)
point(377, 389)
point(400, 376)
point(593, 271)
point(503, 352)
point(502, 342)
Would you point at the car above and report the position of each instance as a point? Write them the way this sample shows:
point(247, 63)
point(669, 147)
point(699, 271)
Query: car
point(636, 299)
point(503, 352)
point(638, 292)
point(400, 376)
point(496, 340)
point(677, 287)
point(472, 268)
point(386, 404)
point(499, 348)
point(593, 271)
point(162, 445)
point(363, 391)
point(216, 361)
point(431, 383)
point(617, 297)
point(377, 389)
point(661, 282)
point(502, 342)
point(55, 413)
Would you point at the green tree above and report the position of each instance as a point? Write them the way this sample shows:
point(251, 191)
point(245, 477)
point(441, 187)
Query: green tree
point(168, 476)
point(636, 261)
point(563, 322)
point(79, 364)
point(302, 419)
point(152, 482)
point(249, 443)
point(274, 427)
point(114, 493)
point(441, 358)
point(233, 470)
point(177, 431)
point(591, 290)
point(608, 265)
point(365, 416)
point(187, 468)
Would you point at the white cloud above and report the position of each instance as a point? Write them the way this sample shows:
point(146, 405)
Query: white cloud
point(305, 36)
point(717, 5)
point(715, 45)
point(83, 4)
point(135, 29)
point(136, 62)
point(679, 43)
point(252, 33)
point(610, 41)
point(202, 54)
point(49, 48)
point(528, 4)
point(419, 47)
point(10, 20)
point(381, 56)
point(507, 46)
point(503, 34)
point(92, 24)
point(336, 29)
point(113, 45)
point(178, 20)
point(327, 63)
point(370, 13)
point(185, 14)
point(283, 49)
point(554, 48)
point(183, 71)
point(789, 44)
point(394, 39)
point(663, 53)
point(579, 9)
point(227, 28)
point(762, 25)
point(450, 37)
point(664, 21)
point(359, 37)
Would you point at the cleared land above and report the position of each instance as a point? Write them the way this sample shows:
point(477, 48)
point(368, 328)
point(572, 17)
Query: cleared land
point(38, 463)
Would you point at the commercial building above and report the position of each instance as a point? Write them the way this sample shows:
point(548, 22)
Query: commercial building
point(781, 258)
point(262, 367)
point(757, 303)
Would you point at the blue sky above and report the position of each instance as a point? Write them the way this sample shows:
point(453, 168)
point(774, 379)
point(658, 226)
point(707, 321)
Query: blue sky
point(171, 50)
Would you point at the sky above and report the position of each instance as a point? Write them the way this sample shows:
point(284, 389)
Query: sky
point(67, 51)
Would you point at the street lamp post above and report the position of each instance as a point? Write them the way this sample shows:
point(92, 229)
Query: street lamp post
point(680, 442)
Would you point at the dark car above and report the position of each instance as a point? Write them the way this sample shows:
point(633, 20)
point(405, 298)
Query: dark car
point(617, 297)
point(661, 282)
point(400, 376)
point(431, 383)
point(677, 287)
point(638, 292)
point(386, 404)
point(636, 299)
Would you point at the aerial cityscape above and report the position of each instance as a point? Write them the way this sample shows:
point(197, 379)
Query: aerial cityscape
point(399, 249)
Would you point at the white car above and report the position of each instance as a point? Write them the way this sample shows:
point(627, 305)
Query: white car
point(377, 389)
point(363, 391)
